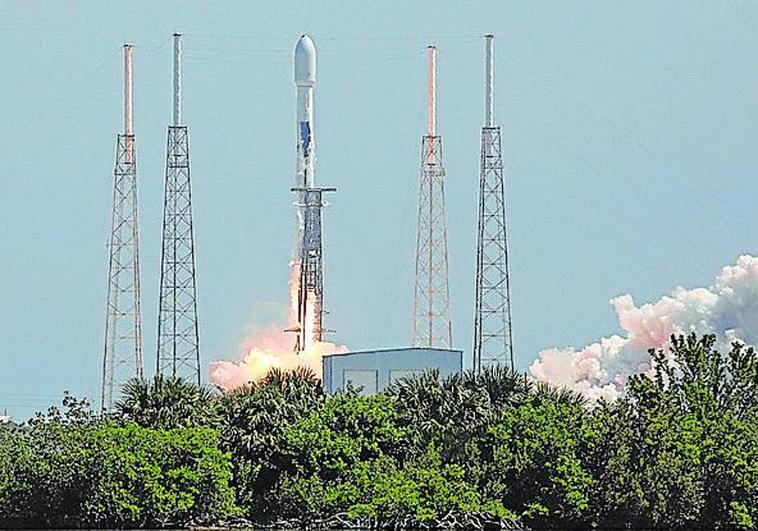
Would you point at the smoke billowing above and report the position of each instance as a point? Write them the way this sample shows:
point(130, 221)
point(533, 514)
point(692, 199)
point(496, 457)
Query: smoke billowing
point(270, 349)
point(729, 309)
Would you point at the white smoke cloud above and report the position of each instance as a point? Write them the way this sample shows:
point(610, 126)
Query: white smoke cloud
point(729, 309)
point(268, 349)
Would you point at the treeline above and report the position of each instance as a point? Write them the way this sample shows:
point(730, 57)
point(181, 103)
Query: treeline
point(679, 451)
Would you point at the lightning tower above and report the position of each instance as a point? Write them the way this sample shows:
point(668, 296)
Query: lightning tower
point(431, 302)
point(493, 342)
point(122, 358)
point(178, 346)
point(307, 260)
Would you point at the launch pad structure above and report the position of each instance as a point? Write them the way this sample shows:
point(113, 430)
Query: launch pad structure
point(178, 351)
point(310, 294)
point(432, 326)
point(493, 340)
point(122, 356)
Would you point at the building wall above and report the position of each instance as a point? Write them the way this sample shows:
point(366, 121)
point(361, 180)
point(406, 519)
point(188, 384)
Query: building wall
point(373, 370)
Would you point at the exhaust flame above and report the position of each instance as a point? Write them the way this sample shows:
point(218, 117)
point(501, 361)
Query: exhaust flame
point(269, 350)
point(309, 324)
point(273, 348)
point(293, 286)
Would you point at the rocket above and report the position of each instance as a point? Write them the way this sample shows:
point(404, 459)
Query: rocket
point(307, 288)
point(305, 80)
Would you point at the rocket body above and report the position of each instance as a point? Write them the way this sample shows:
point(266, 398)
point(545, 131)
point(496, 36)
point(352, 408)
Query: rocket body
point(305, 81)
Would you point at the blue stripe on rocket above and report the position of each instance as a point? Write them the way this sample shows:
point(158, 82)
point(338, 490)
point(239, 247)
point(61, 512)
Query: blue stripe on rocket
point(305, 136)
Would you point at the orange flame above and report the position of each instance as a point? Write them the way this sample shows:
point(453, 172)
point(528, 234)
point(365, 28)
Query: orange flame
point(273, 348)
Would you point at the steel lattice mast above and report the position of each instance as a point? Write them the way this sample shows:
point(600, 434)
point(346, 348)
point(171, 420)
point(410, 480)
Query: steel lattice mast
point(493, 342)
point(178, 347)
point(122, 359)
point(431, 302)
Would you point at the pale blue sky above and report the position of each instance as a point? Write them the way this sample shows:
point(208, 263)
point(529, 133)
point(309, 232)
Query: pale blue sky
point(629, 136)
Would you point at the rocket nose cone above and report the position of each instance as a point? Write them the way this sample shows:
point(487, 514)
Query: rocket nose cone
point(305, 62)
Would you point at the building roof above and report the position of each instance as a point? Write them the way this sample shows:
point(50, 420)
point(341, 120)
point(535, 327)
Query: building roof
point(396, 349)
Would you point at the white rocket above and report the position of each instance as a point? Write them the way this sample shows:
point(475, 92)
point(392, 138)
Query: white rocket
point(307, 264)
point(305, 80)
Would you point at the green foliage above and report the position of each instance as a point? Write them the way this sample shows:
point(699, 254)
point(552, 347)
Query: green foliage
point(72, 470)
point(421, 492)
point(158, 477)
point(327, 446)
point(453, 412)
point(166, 402)
point(349, 462)
point(534, 460)
point(348, 429)
point(13, 451)
point(679, 451)
point(49, 467)
point(255, 419)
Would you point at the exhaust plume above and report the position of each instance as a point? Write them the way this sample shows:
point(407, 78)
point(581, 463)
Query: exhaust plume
point(728, 309)
point(272, 348)
point(265, 351)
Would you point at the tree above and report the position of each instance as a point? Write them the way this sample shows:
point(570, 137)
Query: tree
point(72, 469)
point(348, 432)
point(678, 451)
point(14, 450)
point(353, 467)
point(503, 385)
point(49, 466)
point(681, 449)
point(445, 413)
point(157, 477)
point(533, 460)
point(167, 402)
point(255, 419)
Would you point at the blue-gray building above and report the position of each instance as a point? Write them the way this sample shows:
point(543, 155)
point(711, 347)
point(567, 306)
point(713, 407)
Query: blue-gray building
point(373, 370)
